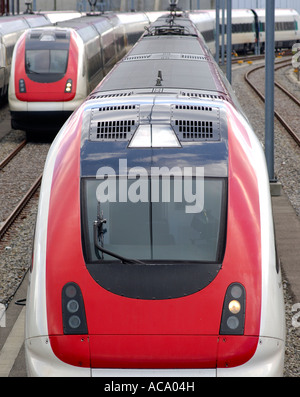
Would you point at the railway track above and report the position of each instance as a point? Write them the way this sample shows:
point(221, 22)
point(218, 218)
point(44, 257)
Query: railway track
point(19, 208)
point(283, 112)
point(27, 196)
point(4, 162)
point(21, 167)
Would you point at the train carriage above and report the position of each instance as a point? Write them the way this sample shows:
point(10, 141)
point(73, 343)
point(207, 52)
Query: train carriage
point(248, 28)
point(287, 24)
point(243, 29)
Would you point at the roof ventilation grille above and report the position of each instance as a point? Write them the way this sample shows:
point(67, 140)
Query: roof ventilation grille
point(113, 123)
point(191, 107)
point(114, 130)
point(115, 108)
point(35, 35)
point(109, 95)
point(192, 57)
point(205, 95)
point(195, 129)
point(61, 35)
point(196, 123)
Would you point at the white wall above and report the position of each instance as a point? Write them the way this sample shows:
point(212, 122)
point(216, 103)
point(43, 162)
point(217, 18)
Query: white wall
point(124, 5)
point(262, 4)
point(148, 5)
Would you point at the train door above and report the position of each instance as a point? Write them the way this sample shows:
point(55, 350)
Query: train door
point(256, 29)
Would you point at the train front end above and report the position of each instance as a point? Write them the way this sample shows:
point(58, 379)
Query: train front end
point(46, 79)
point(154, 246)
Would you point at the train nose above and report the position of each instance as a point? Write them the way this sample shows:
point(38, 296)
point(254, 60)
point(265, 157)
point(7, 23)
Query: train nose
point(153, 351)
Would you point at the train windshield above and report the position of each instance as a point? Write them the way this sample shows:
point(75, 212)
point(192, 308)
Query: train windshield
point(153, 220)
point(46, 61)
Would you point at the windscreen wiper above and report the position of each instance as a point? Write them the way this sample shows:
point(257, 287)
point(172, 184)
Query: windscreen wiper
point(31, 71)
point(98, 240)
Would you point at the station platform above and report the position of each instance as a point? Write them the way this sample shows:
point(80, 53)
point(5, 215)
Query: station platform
point(287, 228)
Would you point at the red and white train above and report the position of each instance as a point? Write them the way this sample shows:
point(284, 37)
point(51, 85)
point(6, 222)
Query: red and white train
point(154, 251)
point(11, 28)
point(56, 67)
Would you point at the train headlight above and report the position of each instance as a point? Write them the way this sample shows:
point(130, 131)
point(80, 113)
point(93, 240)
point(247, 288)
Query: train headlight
point(68, 87)
point(232, 322)
point(74, 322)
point(70, 291)
point(73, 312)
point(234, 306)
point(72, 306)
point(22, 86)
point(233, 315)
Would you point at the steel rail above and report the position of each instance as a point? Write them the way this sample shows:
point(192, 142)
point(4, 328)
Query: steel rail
point(21, 205)
point(277, 115)
point(12, 154)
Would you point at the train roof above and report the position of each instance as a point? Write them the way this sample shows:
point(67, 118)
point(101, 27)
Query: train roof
point(37, 20)
point(279, 12)
point(142, 68)
point(59, 16)
point(47, 35)
point(168, 83)
point(237, 13)
point(12, 24)
point(164, 60)
point(91, 20)
point(117, 128)
point(90, 26)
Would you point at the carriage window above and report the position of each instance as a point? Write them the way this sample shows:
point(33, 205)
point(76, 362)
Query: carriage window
point(168, 227)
